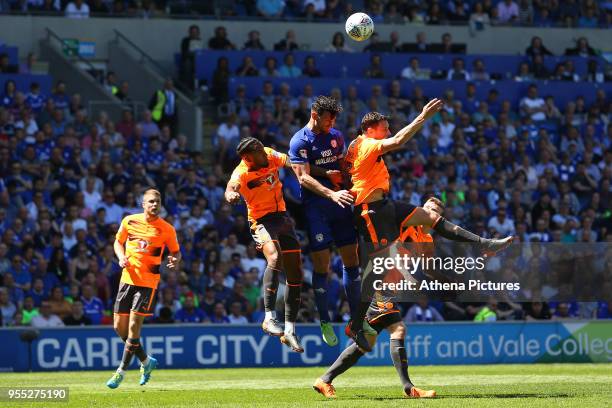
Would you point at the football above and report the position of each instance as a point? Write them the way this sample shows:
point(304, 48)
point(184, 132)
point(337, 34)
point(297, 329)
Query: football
point(359, 26)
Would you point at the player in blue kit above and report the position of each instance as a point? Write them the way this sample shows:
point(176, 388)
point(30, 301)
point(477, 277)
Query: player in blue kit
point(327, 206)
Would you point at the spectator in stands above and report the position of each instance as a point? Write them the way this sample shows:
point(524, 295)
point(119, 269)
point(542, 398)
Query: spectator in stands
point(10, 92)
point(588, 19)
point(219, 314)
point(92, 305)
point(77, 9)
point(122, 93)
point(59, 305)
point(220, 40)
point(46, 318)
point(269, 69)
point(190, 45)
point(60, 97)
point(421, 311)
point(413, 71)
point(29, 311)
point(288, 69)
point(447, 44)
point(582, 49)
point(479, 19)
point(5, 65)
point(479, 73)
point(458, 72)
point(314, 8)
point(270, 8)
point(163, 106)
point(507, 11)
point(310, 68)
point(228, 136)
point(247, 68)
point(236, 316)
point(338, 44)
point(148, 126)
point(232, 247)
point(537, 48)
point(537, 310)
point(254, 42)
point(220, 81)
point(435, 15)
point(34, 99)
point(189, 313)
point(594, 74)
point(288, 43)
point(501, 224)
point(77, 317)
point(7, 308)
point(375, 70)
point(532, 105)
point(28, 66)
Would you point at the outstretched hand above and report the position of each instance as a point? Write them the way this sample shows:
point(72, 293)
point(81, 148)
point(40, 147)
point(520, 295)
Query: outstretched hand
point(432, 107)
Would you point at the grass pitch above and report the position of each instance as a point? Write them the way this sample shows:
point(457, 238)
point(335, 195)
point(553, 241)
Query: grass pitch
point(535, 385)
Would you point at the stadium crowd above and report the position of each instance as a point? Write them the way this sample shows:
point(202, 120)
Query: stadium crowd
point(536, 170)
point(540, 13)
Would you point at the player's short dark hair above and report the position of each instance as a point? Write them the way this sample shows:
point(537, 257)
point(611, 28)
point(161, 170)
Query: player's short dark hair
point(247, 145)
point(372, 119)
point(324, 104)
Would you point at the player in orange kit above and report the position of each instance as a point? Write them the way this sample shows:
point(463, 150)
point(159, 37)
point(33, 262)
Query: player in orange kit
point(256, 179)
point(384, 314)
point(380, 220)
point(139, 246)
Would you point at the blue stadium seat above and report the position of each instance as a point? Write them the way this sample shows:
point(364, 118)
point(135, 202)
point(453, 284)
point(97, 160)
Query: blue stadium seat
point(23, 82)
point(353, 65)
point(563, 92)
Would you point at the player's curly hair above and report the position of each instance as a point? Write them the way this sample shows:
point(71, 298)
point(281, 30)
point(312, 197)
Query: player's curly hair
point(324, 104)
point(371, 119)
point(247, 145)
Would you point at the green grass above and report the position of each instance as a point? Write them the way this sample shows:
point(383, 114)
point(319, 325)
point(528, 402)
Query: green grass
point(535, 385)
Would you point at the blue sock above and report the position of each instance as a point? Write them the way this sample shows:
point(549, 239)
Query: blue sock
point(352, 286)
point(319, 285)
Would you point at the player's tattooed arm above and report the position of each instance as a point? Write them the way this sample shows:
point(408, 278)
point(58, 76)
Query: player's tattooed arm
point(302, 171)
point(232, 194)
point(405, 134)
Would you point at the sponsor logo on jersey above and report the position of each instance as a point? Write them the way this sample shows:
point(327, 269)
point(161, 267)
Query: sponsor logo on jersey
point(304, 153)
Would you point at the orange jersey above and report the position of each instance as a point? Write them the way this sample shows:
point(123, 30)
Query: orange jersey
point(261, 189)
point(145, 243)
point(366, 167)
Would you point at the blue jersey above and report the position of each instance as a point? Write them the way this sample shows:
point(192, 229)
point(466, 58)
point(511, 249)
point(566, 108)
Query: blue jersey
point(323, 151)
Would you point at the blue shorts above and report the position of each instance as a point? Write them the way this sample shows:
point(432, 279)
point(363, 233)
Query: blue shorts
point(329, 223)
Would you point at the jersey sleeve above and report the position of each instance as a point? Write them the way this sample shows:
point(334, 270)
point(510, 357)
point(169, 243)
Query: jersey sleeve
point(122, 233)
point(171, 240)
point(236, 177)
point(371, 146)
point(298, 150)
point(277, 158)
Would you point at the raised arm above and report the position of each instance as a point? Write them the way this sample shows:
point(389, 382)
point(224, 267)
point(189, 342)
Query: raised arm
point(405, 134)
